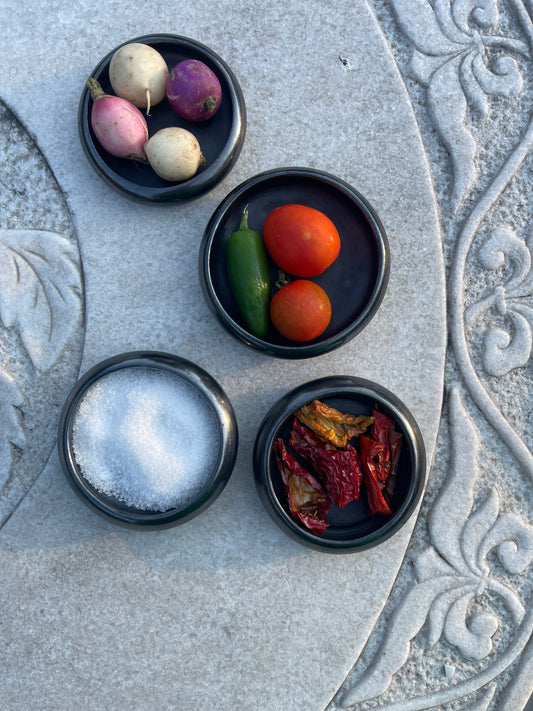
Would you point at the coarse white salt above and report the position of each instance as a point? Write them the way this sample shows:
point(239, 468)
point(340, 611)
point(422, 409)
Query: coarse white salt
point(145, 436)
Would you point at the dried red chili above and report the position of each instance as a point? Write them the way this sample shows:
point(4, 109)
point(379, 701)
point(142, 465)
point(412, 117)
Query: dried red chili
point(384, 431)
point(372, 461)
point(330, 424)
point(395, 442)
point(317, 431)
point(339, 469)
point(380, 432)
point(379, 455)
point(308, 502)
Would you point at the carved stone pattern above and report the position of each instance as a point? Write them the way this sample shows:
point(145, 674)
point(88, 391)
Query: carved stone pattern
point(41, 310)
point(460, 616)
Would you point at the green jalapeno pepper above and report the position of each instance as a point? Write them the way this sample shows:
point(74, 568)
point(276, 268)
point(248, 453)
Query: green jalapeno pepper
point(249, 276)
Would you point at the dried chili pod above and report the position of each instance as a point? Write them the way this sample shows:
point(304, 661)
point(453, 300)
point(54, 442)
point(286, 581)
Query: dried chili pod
point(308, 502)
point(395, 442)
point(380, 432)
point(339, 469)
point(384, 431)
point(371, 459)
point(331, 424)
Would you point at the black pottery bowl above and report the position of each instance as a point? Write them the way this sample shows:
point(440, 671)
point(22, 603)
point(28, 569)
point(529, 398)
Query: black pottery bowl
point(355, 282)
point(221, 137)
point(350, 528)
point(215, 442)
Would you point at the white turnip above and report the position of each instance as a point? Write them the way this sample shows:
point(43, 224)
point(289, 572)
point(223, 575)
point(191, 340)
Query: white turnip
point(138, 73)
point(193, 90)
point(174, 154)
point(118, 125)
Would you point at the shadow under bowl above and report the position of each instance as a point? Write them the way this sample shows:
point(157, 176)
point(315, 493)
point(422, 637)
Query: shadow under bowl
point(191, 380)
point(221, 137)
point(355, 283)
point(351, 528)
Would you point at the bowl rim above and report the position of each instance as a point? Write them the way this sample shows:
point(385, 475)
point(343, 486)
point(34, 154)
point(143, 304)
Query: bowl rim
point(327, 387)
point(215, 397)
point(302, 350)
point(200, 183)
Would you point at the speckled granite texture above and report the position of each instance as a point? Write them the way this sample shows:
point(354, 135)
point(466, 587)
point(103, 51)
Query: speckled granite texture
point(424, 108)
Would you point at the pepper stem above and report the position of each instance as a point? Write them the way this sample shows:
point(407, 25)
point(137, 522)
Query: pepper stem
point(244, 219)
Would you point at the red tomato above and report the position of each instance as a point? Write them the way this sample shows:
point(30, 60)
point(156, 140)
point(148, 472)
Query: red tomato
point(301, 240)
point(301, 310)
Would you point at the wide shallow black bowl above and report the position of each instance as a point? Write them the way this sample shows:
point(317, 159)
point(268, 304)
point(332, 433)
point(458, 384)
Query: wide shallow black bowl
point(221, 137)
point(351, 528)
point(355, 282)
point(225, 436)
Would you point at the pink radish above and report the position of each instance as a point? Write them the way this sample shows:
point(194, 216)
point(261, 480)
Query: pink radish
point(118, 125)
point(193, 90)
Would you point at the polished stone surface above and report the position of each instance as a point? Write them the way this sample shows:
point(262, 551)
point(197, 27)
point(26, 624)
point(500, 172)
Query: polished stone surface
point(424, 109)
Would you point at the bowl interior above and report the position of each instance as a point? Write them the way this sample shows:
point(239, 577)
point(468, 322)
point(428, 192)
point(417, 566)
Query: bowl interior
point(355, 282)
point(350, 527)
point(216, 410)
point(220, 137)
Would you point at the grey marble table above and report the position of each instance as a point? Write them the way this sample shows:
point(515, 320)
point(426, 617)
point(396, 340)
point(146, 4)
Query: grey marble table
point(424, 107)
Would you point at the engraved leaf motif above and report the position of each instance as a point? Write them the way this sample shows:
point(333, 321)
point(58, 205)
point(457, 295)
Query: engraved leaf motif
point(473, 638)
point(407, 622)
point(504, 79)
point(505, 245)
point(453, 60)
point(452, 573)
point(512, 538)
point(447, 107)
point(457, 496)
point(39, 290)
point(12, 433)
point(447, 15)
point(484, 12)
point(476, 528)
point(418, 21)
point(509, 344)
point(471, 86)
point(503, 351)
point(42, 310)
point(438, 615)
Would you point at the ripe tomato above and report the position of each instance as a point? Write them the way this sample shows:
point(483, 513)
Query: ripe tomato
point(301, 240)
point(301, 310)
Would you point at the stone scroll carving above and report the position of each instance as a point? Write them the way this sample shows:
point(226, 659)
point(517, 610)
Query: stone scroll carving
point(463, 61)
point(454, 630)
point(41, 310)
point(505, 310)
point(465, 587)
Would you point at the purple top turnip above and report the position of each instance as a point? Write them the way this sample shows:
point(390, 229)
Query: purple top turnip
point(193, 90)
point(118, 125)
